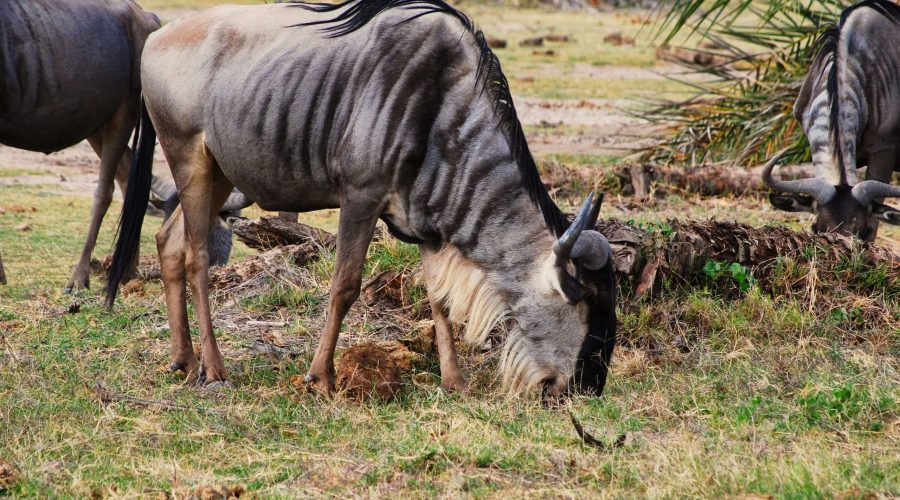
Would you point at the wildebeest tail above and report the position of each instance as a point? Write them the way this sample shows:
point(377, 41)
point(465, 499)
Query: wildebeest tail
point(137, 195)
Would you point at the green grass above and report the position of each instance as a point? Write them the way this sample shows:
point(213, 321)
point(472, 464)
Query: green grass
point(767, 398)
point(720, 393)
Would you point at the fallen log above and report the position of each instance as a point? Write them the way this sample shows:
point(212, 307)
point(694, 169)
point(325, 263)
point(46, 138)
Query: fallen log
point(266, 233)
point(645, 255)
point(682, 250)
point(705, 180)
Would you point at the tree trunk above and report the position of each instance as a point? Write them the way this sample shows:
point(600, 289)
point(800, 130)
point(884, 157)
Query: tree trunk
point(705, 180)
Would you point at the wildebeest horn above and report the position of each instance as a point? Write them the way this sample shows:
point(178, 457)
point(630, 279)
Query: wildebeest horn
point(563, 247)
point(236, 201)
point(589, 247)
point(867, 191)
point(819, 189)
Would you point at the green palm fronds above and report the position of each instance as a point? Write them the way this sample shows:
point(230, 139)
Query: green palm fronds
point(742, 110)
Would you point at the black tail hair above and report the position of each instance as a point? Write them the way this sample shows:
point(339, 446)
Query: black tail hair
point(136, 197)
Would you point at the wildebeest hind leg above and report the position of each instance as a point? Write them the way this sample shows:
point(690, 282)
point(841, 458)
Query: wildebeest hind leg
point(110, 143)
point(355, 228)
point(202, 189)
point(452, 377)
point(171, 245)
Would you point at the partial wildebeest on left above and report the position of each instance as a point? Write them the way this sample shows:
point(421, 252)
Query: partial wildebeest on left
point(69, 71)
point(390, 109)
point(849, 106)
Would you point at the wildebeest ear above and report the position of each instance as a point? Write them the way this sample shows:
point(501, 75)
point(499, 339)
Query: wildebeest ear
point(886, 213)
point(792, 202)
point(571, 288)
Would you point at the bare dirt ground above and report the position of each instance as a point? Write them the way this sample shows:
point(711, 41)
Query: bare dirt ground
point(571, 126)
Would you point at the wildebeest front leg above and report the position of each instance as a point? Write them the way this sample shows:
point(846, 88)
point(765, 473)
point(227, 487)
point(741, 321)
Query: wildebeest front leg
point(452, 377)
point(110, 144)
point(355, 229)
point(170, 242)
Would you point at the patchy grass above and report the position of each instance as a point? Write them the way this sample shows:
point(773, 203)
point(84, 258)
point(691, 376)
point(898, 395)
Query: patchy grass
point(718, 395)
point(722, 390)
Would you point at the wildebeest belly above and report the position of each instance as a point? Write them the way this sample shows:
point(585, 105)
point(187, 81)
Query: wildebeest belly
point(64, 72)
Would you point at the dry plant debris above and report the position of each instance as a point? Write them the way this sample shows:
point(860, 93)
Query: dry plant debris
point(8, 475)
point(532, 42)
point(218, 492)
point(618, 39)
point(273, 263)
point(496, 43)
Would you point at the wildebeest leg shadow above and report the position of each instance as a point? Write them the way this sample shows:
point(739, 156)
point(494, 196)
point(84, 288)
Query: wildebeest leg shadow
point(356, 225)
point(110, 143)
point(451, 376)
point(202, 189)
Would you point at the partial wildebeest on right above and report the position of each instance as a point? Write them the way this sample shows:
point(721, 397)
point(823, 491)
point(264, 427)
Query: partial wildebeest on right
point(849, 106)
point(390, 109)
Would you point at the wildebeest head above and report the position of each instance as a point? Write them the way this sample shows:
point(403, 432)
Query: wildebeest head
point(565, 326)
point(843, 209)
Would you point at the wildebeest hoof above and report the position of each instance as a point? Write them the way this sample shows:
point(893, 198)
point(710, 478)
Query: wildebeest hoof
point(176, 366)
point(459, 385)
point(323, 385)
point(68, 290)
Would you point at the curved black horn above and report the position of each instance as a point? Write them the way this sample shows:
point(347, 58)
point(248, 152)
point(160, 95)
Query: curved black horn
point(563, 247)
point(819, 189)
point(595, 212)
point(868, 191)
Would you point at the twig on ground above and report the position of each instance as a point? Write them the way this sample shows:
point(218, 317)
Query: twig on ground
point(589, 440)
point(107, 396)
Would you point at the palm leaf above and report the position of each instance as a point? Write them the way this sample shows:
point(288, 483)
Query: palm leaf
point(742, 110)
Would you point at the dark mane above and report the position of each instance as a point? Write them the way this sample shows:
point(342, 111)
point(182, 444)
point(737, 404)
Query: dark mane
point(827, 50)
point(359, 12)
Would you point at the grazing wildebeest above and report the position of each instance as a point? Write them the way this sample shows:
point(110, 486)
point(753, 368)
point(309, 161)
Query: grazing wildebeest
point(69, 71)
point(391, 109)
point(849, 106)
